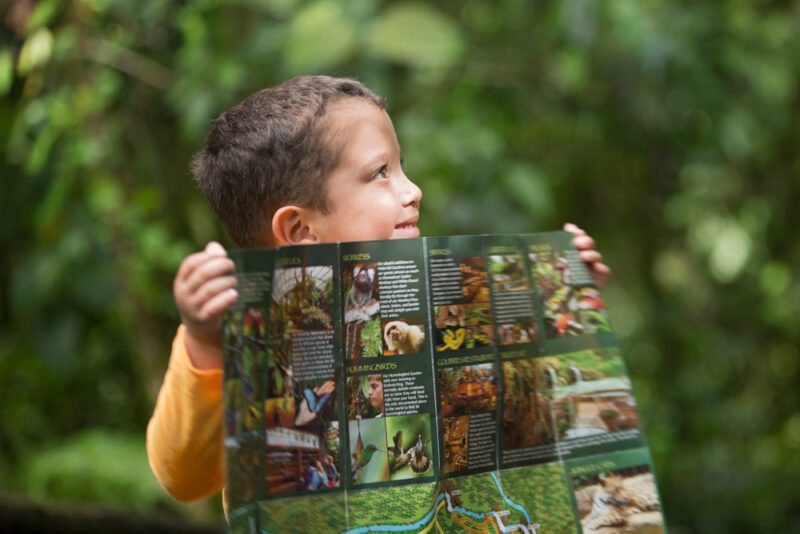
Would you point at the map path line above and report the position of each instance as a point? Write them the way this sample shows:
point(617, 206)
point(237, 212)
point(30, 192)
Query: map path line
point(470, 525)
point(401, 527)
point(464, 511)
point(435, 521)
point(527, 529)
point(511, 503)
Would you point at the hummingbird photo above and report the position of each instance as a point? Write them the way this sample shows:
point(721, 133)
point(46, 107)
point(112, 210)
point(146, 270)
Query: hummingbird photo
point(419, 460)
point(399, 458)
point(414, 456)
point(362, 458)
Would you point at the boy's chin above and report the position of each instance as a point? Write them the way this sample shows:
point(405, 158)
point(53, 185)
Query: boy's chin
point(405, 232)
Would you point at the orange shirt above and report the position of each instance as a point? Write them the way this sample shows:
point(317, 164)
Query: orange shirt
point(184, 436)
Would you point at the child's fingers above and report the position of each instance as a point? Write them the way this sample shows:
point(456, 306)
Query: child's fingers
point(191, 262)
point(217, 304)
point(586, 249)
point(211, 268)
point(600, 274)
point(215, 249)
point(590, 256)
point(210, 289)
point(574, 229)
point(583, 242)
point(601, 269)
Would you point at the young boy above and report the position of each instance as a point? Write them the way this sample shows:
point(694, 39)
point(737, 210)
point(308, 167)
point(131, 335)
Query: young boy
point(313, 160)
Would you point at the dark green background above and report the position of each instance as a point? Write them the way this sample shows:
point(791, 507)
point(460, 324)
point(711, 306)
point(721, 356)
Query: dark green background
point(668, 129)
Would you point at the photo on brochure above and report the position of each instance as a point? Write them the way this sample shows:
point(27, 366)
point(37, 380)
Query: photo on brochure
point(306, 459)
point(570, 304)
point(361, 311)
point(365, 396)
point(467, 411)
point(465, 322)
point(369, 462)
point(409, 444)
point(403, 335)
point(302, 451)
point(467, 390)
point(590, 397)
point(623, 500)
point(244, 331)
point(527, 411)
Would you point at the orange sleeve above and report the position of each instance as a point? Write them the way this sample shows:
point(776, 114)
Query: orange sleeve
point(184, 436)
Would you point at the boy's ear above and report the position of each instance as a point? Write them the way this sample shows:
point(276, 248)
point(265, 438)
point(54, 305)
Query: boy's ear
point(290, 227)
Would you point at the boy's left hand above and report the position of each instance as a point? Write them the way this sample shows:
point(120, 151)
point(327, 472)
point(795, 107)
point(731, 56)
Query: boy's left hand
point(585, 244)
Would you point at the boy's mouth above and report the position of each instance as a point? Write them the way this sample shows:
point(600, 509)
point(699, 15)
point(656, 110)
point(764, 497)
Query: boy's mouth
point(407, 228)
point(408, 224)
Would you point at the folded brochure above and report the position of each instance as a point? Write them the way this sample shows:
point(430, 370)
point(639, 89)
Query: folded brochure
point(439, 384)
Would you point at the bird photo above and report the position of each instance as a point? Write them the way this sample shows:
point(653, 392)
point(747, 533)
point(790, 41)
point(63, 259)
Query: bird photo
point(414, 457)
point(368, 460)
point(361, 459)
point(409, 448)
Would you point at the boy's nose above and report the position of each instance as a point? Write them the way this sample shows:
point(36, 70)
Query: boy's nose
point(412, 194)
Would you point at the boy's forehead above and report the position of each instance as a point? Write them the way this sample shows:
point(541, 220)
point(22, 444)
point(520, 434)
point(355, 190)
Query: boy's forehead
point(355, 107)
point(355, 121)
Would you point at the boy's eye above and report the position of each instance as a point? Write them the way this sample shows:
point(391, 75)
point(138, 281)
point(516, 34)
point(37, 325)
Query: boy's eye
point(380, 173)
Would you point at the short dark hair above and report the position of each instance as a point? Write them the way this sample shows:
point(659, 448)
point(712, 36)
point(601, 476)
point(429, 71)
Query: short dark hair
point(269, 151)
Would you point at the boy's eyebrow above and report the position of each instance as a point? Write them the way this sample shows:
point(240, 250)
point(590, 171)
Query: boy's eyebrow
point(376, 159)
point(383, 156)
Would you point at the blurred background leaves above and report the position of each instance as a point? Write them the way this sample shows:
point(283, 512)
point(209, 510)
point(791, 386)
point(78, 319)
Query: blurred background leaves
point(667, 129)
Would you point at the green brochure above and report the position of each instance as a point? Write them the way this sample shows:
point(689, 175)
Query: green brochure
point(441, 384)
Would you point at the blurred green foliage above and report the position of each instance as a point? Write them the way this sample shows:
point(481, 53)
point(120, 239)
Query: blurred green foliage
point(668, 129)
point(94, 466)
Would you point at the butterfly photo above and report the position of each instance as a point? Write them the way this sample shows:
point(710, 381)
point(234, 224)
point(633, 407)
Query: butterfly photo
point(314, 402)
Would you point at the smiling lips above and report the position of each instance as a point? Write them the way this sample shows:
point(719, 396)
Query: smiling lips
point(407, 229)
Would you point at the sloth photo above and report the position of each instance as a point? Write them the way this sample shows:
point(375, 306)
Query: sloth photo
point(403, 338)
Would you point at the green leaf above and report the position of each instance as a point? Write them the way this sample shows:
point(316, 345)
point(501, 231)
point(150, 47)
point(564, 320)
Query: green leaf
point(571, 69)
point(105, 196)
point(52, 207)
point(6, 71)
point(416, 35)
point(730, 252)
point(775, 278)
point(38, 155)
point(42, 15)
point(36, 51)
point(319, 37)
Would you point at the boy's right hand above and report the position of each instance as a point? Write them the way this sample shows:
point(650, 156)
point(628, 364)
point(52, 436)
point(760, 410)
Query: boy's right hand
point(204, 287)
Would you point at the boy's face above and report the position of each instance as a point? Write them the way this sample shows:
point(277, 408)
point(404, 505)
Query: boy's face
point(369, 195)
point(376, 392)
